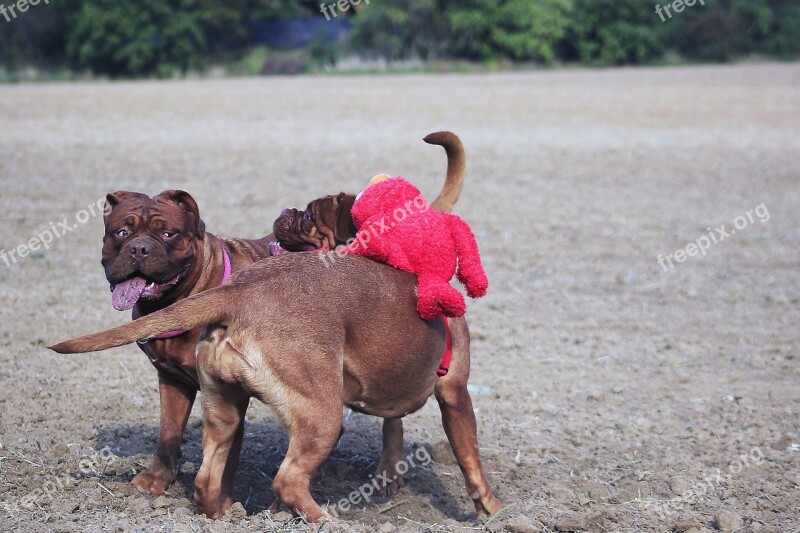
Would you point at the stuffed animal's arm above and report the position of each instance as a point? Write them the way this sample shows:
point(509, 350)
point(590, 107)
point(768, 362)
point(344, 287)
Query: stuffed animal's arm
point(470, 271)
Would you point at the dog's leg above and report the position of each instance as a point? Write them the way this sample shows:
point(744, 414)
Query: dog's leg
point(458, 419)
point(313, 430)
point(224, 407)
point(223, 423)
point(176, 404)
point(231, 466)
point(391, 455)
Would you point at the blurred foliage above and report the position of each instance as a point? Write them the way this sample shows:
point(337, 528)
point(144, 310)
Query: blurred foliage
point(399, 29)
point(137, 38)
point(36, 37)
point(726, 29)
point(615, 32)
point(168, 37)
point(519, 30)
point(784, 35)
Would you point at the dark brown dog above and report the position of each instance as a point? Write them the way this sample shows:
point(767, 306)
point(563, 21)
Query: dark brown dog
point(326, 221)
point(352, 337)
point(156, 252)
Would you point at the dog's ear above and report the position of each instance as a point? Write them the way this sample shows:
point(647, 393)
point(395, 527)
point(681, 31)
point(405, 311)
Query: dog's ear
point(187, 203)
point(115, 198)
point(344, 229)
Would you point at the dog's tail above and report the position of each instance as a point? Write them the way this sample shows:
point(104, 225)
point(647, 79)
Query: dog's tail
point(456, 164)
point(204, 308)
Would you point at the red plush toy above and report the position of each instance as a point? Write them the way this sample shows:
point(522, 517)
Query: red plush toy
point(396, 226)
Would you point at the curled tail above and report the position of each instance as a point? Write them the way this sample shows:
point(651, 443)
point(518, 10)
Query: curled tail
point(456, 164)
point(470, 271)
point(207, 307)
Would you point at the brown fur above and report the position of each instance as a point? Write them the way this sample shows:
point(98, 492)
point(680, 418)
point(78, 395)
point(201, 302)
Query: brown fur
point(355, 339)
point(196, 256)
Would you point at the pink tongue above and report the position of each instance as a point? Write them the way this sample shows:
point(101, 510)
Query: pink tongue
point(126, 293)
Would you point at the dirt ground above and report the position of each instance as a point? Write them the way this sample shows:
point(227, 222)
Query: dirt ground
point(612, 394)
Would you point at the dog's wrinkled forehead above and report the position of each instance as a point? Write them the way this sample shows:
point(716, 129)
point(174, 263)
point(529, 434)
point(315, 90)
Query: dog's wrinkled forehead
point(166, 207)
point(175, 208)
point(122, 204)
point(145, 208)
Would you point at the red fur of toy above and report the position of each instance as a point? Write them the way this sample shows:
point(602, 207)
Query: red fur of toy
point(396, 226)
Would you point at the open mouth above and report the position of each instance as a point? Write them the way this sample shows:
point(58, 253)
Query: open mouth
point(125, 294)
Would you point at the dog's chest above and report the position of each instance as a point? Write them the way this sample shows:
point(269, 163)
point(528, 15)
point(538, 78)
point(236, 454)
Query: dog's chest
point(169, 358)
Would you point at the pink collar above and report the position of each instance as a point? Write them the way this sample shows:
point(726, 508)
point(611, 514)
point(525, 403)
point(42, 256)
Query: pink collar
point(176, 333)
point(227, 261)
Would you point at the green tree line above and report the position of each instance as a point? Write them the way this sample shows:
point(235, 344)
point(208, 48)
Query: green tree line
point(140, 38)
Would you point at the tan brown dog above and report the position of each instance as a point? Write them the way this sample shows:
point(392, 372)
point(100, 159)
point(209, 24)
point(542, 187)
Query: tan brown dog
point(156, 251)
point(327, 223)
point(305, 337)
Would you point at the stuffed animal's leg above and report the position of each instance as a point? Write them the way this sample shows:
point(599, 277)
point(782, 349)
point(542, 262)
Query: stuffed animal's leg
point(437, 297)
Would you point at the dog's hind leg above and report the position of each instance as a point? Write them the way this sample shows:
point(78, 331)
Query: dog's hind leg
point(223, 418)
point(231, 466)
point(314, 425)
point(391, 481)
point(224, 408)
point(458, 419)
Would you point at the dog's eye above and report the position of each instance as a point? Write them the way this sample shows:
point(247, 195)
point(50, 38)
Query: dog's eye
point(307, 216)
point(168, 234)
point(122, 233)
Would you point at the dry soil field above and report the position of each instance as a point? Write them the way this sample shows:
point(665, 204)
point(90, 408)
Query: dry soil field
point(611, 395)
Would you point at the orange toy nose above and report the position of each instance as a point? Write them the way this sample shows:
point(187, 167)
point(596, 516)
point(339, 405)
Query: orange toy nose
point(379, 178)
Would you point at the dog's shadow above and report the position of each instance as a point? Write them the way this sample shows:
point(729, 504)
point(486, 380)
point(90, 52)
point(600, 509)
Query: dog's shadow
point(350, 467)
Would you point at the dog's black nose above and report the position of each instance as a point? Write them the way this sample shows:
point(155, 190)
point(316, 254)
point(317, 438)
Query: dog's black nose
point(139, 248)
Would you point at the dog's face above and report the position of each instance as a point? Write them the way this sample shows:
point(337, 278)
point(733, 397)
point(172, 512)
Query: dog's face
point(150, 244)
point(325, 222)
point(296, 231)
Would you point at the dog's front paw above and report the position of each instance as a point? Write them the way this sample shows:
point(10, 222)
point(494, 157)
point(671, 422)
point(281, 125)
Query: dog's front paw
point(395, 486)
point(390, 481)
point(154, 480)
